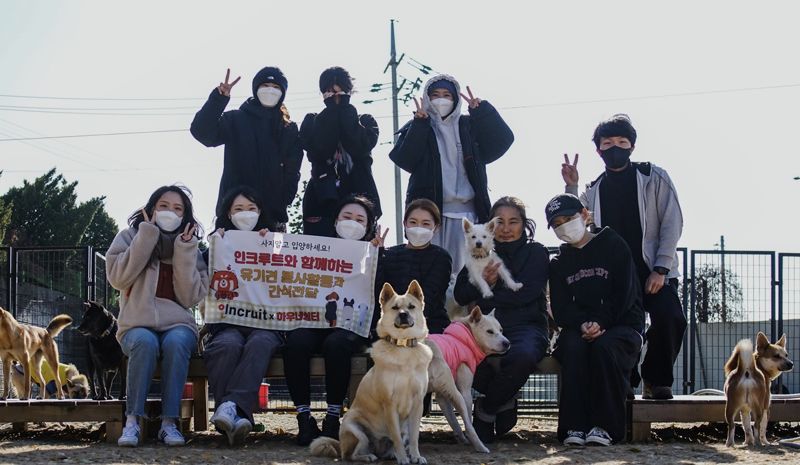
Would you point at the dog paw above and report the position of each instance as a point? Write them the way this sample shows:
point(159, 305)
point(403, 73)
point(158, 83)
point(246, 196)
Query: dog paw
point(460, 438)
point(729, 443)
point(515, 286)
point(419, 459)
point(488, 295)
point(482, 449)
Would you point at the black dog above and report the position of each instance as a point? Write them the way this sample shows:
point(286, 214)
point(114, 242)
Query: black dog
point(105, 353)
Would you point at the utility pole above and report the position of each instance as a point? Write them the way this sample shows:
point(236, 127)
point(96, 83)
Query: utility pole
point(398, 200)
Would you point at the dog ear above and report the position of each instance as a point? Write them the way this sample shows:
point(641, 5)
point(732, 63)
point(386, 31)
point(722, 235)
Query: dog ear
point(491, 314)
point(467, 225)
point(387, 293)
point(416, 290)
point(475, 315)
point(491, 225)
point(782, 341)
point(761, 341)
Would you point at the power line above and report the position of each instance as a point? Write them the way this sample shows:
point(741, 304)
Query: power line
point(20, 139)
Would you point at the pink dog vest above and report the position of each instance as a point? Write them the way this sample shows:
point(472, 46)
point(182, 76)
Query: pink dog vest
point(458, 346)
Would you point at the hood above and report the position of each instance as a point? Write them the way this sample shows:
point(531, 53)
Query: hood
point(426, 100)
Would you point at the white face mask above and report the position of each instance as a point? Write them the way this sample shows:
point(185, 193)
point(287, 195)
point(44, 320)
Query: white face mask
point(572, 231)
point(167, 220)
point(418, 236)
point(268, 96)
point(349, 229)
point(443, 106)
point(245, 221)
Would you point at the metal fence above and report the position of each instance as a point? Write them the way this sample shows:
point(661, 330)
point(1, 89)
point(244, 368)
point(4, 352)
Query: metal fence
point(727, 296)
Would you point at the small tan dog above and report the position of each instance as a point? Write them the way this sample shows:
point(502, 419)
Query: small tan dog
point(464, 344)
point(76, 385)
point(383, 421)
point(747, 379)
point(27, 344)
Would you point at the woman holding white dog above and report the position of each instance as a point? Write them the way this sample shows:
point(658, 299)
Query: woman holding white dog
point(237, 356)
point(597, 302)
point(522, 314)
point(160, 273)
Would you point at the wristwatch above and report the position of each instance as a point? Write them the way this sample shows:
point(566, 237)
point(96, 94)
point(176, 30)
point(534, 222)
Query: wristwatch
point(661, 270)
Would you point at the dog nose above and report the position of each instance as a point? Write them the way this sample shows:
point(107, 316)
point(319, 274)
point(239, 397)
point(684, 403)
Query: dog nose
point(789, 364)
point(506, 345)
point(479, 244)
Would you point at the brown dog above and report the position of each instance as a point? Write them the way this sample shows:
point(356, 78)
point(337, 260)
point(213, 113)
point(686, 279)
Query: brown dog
point(747, 379)
point(27, 345)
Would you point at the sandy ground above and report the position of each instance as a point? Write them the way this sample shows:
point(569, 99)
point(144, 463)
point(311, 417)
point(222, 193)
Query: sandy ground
point(532, 441)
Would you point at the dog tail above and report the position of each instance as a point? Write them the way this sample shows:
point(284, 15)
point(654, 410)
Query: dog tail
point(58, 323)
point(741, 358)
point(325, 447)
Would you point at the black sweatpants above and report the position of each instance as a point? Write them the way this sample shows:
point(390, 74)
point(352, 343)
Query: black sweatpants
point(594, 380)
point(336, 345)
point(665, 335)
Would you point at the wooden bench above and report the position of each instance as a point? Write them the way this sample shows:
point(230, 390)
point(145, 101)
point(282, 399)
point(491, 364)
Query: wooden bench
point(694, 409)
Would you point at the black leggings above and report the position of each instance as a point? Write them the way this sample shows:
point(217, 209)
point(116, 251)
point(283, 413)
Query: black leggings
point(336, 345)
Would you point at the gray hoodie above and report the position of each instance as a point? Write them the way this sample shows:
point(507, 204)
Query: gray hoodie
point(457, 191)
point(659, 212)
point(132, 270)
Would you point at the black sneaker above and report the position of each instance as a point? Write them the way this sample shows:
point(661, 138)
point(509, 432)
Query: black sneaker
point(484, 429)
point(330, 427)
point(307, 429)
point(505, 420)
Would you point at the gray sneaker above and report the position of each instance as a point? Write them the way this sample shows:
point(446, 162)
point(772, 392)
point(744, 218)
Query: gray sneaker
point(224, 419)
point(575, 438)
point(130, 436)
point(241, 429)
point(169, 435)
point(598, 436)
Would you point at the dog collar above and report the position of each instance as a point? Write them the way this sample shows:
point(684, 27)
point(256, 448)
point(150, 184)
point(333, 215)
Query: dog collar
point(108, 330)
point(405, 342)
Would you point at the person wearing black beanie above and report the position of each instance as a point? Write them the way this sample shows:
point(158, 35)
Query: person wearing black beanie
point(262, 145)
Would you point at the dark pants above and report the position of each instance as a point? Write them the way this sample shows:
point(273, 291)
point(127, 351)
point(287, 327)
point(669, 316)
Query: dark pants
point(500, 377)
point(237, 359)
point(665, 335)
point(594, 380)
point(337, 347)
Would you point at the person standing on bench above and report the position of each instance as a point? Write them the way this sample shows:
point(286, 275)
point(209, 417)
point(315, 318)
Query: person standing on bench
point(161, 275)
point(354, 220)
point(596, 300)
point(639, 201)
point(237, 357)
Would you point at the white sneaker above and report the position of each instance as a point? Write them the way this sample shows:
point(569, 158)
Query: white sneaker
point(224, 418)
point(241, 429)
point(598, 436)
point(169, 435)
point(575, 438)
point(130, 436)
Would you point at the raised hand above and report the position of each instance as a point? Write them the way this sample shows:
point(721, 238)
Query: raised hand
point(380, 239)
point(188, 232)
point(419, 113)
point(224, 88)
point(471, 100)
point(147, 218)
point(569, 171)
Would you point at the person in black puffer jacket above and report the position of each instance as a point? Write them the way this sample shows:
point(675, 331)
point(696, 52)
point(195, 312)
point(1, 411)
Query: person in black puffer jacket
point(262, 147)
point(338, 142)
point(522, 315)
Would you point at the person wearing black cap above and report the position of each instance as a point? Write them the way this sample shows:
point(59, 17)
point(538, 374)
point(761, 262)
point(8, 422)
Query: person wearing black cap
point(596, 300)
point(639, 201)
point(262, 148)
point(446, 154)
point(338, 142)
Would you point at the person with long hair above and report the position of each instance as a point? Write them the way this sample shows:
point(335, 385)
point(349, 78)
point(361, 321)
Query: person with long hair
point(262, 147)
point(522, 313)
point(157, 267)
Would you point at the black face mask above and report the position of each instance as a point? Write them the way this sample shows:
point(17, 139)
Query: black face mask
point(615, 157)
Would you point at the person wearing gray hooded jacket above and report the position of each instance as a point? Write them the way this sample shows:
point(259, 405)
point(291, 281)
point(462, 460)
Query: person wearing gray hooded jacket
point(446, 154)
point(639, 201)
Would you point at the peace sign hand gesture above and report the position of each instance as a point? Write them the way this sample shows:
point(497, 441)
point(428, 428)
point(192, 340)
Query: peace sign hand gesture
point(471, 100)
point(147, 218)
point(380, 239)
point(570, 171)
point(420, 113)
point(224, 88)
point(188, 232)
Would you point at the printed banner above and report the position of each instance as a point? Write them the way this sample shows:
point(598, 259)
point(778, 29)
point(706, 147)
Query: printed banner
point(288, 281)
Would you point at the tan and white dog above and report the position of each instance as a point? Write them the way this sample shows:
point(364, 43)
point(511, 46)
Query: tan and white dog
point(27, 344)
point(479, 241)
point(76, 385)
point(748, 375)
point(464, 344)
point(384, 418)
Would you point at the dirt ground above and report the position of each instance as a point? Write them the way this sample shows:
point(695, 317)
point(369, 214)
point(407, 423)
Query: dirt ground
point(532, 441)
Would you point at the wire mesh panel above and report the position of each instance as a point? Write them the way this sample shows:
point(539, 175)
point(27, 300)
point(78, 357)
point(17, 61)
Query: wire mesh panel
point(789, 314)
point(733, 298)
point(102, 291)
point(5, 284)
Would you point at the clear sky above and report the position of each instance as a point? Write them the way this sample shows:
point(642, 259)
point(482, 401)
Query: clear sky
point(713, 88)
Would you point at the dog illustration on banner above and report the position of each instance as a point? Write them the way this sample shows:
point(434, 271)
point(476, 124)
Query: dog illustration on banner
point(225, 283)
point(348, 311)
point(331, 307)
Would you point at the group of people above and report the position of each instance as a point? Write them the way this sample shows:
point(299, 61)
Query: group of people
point(610, 270)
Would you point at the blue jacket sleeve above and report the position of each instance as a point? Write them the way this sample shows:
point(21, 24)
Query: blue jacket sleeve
point(492, 134)
point(210, 126)
point(411, 147)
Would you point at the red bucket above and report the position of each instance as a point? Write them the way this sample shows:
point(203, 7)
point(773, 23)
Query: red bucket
point(188, 392)
point(263, 396)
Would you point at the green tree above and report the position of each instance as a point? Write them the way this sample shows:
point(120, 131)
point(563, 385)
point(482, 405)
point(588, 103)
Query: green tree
point(46, 212)
point(718, 297)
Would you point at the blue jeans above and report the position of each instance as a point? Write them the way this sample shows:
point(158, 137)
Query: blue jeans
point(144, 347)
